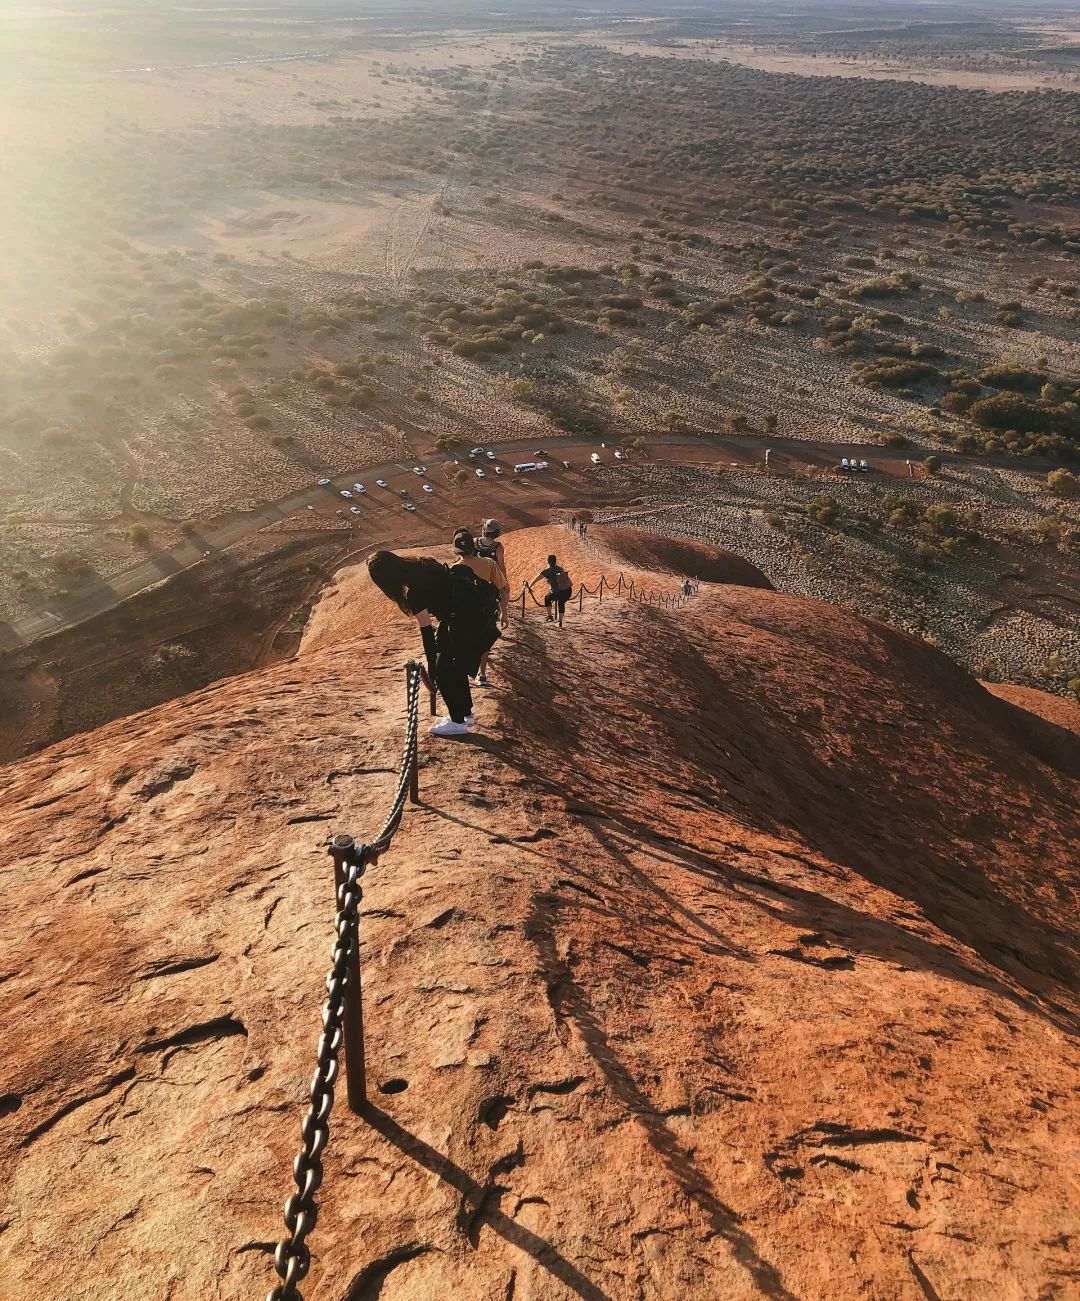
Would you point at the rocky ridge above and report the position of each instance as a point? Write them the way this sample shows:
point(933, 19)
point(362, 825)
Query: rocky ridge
point(733, 956)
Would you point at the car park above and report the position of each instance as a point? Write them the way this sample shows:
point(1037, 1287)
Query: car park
point(382, 483)
point(359, 487)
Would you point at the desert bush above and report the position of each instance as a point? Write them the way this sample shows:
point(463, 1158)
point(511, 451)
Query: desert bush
point(894, 374)
point(1063, 483)
point(824, 508)
point(138, 535)
point(1018, 378)
point(1010, 411)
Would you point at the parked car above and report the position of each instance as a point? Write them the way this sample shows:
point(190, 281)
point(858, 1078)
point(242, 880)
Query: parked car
point(491, 456)
point(540, 454)
point(620, 456)
point(403, 492)
point(359, 487)
point(595, 458)
point(477, 451)
point(480, 472)
point(498, 469)
point(382, 483)
point(428, 487)
point(409, 506)
point(419, 469)
point(323, 483)
point(355, 510)
point(345, 492)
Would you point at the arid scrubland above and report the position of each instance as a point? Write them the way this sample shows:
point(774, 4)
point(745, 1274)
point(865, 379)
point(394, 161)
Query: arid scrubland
point(242, 252)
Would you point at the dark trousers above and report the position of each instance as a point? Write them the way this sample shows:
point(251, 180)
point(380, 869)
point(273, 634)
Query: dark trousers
point(452, 681)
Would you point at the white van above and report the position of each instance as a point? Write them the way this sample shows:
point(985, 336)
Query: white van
point(524, 467)
point(595, 458)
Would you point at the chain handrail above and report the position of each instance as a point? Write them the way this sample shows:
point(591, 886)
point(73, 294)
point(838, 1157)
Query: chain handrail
point(292, 1256)
point(616, 585)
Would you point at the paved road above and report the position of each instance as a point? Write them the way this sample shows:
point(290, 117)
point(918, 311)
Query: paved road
point(98, 595)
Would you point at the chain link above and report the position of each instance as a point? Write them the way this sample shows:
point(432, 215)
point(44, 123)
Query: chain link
point(292, 1256)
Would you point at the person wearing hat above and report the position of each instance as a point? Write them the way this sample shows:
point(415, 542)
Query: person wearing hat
point(490, 548)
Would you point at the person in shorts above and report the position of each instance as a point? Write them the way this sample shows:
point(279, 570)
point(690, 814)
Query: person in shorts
point(560, 588)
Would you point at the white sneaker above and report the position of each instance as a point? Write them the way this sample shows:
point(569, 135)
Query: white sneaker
point(470, 720)
point(447, 727)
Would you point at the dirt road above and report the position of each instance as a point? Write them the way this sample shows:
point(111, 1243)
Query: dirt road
point(98, 595)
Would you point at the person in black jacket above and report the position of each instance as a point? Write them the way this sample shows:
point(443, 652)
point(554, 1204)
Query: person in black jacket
point(465, 608)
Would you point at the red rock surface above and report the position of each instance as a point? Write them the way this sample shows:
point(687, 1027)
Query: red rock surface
point(351, 605)
point(733, 957)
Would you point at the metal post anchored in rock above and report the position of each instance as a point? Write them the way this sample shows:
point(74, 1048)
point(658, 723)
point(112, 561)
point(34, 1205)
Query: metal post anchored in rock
point(343, 851)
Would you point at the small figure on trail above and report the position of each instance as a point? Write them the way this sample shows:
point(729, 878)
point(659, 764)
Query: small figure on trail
point(688, 588)
point(489, 547)
point(465, 605)
point(584, 528)
point(560, 585)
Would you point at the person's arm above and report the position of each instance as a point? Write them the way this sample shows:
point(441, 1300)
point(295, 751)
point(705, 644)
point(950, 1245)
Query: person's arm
point(427, 636)
point(502, 584)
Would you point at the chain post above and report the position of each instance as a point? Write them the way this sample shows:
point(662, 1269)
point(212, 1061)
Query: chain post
point(524, 590)
point(343, 852)
point(581, 596)
point(601, 589)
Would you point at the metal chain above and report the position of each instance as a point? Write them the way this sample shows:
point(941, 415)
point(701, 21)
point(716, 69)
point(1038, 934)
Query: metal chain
point(292, 1256)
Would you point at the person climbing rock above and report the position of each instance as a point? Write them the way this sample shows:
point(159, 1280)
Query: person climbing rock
point(465, 606)
point(485, 567)
point(489, 547)
point(560, 588)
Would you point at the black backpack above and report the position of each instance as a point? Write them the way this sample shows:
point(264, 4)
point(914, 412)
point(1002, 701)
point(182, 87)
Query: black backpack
point(473, 600)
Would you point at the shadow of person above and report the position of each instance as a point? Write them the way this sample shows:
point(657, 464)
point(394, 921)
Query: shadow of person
point(480, 1205)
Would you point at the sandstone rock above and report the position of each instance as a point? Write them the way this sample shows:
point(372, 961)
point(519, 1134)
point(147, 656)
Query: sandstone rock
point(734, 956)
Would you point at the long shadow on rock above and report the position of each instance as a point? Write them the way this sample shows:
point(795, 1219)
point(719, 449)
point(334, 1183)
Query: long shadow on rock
point(478, 1197)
